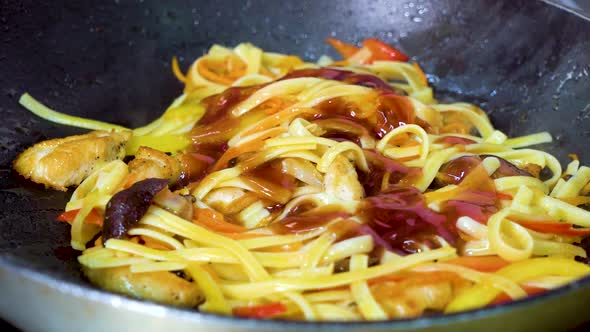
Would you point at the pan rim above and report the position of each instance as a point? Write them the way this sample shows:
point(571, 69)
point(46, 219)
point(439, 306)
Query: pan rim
point(102, 297)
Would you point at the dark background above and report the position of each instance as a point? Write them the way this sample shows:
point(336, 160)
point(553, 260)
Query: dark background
point(526, 63)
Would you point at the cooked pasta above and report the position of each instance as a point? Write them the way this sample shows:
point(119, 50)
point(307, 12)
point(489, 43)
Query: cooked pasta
point(339, 190)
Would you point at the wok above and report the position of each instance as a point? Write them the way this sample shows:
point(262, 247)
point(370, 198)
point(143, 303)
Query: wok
point(525, 62)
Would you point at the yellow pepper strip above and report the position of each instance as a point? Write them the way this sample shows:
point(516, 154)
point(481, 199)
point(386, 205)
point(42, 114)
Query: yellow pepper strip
point(46, 113)
point(482, 294)
point(165, 143)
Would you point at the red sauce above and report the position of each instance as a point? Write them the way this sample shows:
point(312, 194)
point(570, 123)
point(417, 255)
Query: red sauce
point(379, 166)
point(346, 76)
point(308, 221)
point(392, 111)
point(455, 170)
point(397, 216)
point(271, 183)
point(400, 218)
point(219, 106)
point(476, 198)
point(217, 126)
point(273, 172)
point(479, 205)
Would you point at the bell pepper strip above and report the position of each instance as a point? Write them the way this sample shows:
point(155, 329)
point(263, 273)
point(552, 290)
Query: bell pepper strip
point(378, 51)
point(93, 217)
point(345, 49)
point(503, 196)
point(165, 143)
point(480, 263)
point(482, 294)
point(383, 51)
point(530, 290)
point(260, 311)
point(552, 227)
point(423, 78)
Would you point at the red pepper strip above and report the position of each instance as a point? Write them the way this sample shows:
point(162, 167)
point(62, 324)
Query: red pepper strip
point(260, 311)
point(530, 290)
point(561, 228)
point(345, 49)
point(453, 140)
point(503, 196)
point(92, 218)
point(480, 263)
point(383, 51)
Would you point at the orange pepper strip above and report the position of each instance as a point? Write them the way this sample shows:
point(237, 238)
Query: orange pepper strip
point(503, 196)
point(345, 49)
point(382, 51)
point(92, 218)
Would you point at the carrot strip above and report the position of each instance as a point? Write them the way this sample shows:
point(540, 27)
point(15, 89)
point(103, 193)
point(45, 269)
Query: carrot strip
point(215, 221)
point(251, 146)
point(176, 70)
point(552, 227)
point(212, 76)
point(241, 236)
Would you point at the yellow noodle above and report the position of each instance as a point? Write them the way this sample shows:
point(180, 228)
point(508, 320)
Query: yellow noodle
point(215, 301)
point(259, 289)
point(361, 294)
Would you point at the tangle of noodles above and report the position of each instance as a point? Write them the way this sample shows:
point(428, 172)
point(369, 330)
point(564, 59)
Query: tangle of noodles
point(342, 192)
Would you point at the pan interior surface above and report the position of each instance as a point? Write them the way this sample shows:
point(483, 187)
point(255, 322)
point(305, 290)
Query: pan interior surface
point(526, 63)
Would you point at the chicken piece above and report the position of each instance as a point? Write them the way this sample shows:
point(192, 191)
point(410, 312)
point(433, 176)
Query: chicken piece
point(411, 297)
point(413, 301)
point(151, 163)
point(161, 286)
point(342, 182)
point(63, 162)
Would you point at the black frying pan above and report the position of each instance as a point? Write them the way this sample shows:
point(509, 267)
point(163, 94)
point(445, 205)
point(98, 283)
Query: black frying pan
point(525, 62)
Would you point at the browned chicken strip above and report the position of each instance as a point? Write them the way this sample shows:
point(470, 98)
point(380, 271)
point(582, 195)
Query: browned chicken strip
point(63, 162)
point(161, 286)
point(151, 163)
